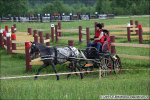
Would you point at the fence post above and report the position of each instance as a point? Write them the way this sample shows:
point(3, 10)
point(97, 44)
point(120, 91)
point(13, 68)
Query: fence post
point(87, 35)
point(14, 25)
point(128, 33)
point(12, 29)
point(6, 29)
point(40, 34)
point(131, 23)
point(28, 58)
point(47, 37)
point(1, 39)
point(4, 38)
point(95, 26)
point(102, 25)
point(52, 33)
point(9, 50)
point(100, 73)
point(112, 40)
point(140, 34)
point(30, 31)
point(41, 37)
point(70, 43)
point(36, 38)
point(59, 27)
point(34, 32)
point(13, 38)
point(80, 34)
point(56, 33)
point(137, 23)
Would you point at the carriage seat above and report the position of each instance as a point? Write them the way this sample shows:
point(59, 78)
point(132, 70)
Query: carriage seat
point(93, 53)
point(103, 49)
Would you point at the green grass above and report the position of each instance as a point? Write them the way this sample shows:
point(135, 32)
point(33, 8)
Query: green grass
point(127, 83)
point(74, 88)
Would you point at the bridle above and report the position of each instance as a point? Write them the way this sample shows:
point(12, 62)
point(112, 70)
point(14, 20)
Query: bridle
point(34, 50)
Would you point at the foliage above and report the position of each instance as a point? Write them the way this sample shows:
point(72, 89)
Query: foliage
point(58, 6)
point(117, 7)
point(47, 8)
point(103, 5)
point(15, 7)
point(123, 7)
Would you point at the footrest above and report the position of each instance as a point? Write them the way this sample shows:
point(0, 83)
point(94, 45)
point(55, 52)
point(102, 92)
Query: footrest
point(88, 65)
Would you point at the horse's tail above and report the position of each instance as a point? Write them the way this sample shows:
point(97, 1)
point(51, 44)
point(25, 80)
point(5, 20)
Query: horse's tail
point(82, 54)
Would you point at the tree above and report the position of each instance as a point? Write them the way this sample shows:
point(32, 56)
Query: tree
point(2, 5)
point(15, 7)
point(99, 6)
point(58, 6)
point(48, 8)
point(104, 5)
point(68, 9)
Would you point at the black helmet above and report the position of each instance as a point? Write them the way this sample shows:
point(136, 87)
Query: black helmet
point(106, 31)
point(99, 25)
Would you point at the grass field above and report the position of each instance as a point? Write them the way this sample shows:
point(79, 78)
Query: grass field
point(91, 87)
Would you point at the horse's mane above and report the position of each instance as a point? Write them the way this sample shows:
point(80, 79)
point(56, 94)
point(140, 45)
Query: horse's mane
point(44, 50)
point(40, 46)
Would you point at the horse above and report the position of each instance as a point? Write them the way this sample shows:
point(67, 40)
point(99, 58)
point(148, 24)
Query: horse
point(52, 56)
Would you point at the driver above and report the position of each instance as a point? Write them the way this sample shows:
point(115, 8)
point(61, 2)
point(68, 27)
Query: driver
point(97, 38)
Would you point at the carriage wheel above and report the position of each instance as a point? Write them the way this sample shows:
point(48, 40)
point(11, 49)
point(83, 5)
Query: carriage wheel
point(106, 67)
point(117, 65)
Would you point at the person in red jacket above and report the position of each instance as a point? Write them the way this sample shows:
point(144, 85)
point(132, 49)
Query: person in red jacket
point(97, 38)
point(106, 38)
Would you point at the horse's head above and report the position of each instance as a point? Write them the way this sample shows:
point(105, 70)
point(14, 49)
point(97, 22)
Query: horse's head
point(34, 49)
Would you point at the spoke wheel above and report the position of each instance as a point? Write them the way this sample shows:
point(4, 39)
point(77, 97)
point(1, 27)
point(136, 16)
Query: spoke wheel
point(106, 67)
point(117, 65)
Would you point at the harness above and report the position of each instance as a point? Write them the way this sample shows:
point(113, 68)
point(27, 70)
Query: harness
point(56, 54)
point(71, 51)
point(55, 58)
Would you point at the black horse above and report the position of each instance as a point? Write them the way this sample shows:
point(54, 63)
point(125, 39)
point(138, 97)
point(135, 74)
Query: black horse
point(52, 56)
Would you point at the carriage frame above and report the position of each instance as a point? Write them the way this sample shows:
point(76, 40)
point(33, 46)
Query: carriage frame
point(103, 60)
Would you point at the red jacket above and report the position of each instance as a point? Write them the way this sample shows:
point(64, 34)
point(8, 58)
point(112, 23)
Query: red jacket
point(102, 39)
point(108, 39)
point(97, 34)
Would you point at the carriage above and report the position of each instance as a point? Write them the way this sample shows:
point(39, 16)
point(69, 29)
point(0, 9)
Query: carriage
point(102, 59)
point(88, 60)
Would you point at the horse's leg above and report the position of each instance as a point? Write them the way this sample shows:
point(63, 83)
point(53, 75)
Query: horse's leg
point(76, 71)
point(43, 66)
point(81, 74)
point(73, 67)
point(54, 68)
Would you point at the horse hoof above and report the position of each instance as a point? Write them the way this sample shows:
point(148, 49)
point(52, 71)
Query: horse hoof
point(57, 79)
